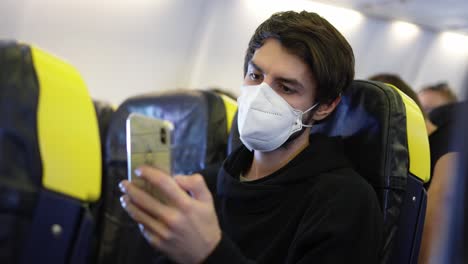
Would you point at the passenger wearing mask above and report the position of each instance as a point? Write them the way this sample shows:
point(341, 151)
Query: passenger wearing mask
point(443, 158)
point(446, 115)
point(439, 103)
point(284, 196)
point(433, 96)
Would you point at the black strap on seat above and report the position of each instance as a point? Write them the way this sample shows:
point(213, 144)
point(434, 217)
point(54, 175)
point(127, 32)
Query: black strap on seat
point(20, 160)
point(60, 231)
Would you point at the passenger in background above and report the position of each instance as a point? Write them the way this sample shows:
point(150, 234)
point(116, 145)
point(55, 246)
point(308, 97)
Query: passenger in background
point(433, 96)
point(446, 115)
point(443, 157)
point(439, 103)
point(396, 81)
point(284, 196)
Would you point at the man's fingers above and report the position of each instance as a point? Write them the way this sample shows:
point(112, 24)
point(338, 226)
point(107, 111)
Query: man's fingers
point(164, 184)
point(195, 184)
point(149, 236)
point(143, 218)
point(145, 201)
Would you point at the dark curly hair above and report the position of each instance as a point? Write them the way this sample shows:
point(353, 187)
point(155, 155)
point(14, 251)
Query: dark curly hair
point(313, 39)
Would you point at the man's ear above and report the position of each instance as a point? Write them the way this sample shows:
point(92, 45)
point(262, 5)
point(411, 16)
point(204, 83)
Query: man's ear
point(325, 109)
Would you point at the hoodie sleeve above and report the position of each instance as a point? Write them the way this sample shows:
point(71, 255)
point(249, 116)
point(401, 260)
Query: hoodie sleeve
point(227, 252)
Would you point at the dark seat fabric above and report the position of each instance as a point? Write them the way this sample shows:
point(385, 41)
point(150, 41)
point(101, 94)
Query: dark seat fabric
point(371, 120)
point(104, 112)
point(200, 138)
point(20, 160)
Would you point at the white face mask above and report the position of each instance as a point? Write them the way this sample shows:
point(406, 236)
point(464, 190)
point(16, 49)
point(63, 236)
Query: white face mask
point(265, 119)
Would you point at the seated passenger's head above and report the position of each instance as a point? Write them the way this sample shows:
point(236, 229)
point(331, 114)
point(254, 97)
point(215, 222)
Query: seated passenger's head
point(294, 61)
point(433, 96)
point(396, 81)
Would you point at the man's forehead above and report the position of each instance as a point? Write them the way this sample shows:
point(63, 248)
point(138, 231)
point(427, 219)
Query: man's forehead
point(278, 71)
point(274, 59)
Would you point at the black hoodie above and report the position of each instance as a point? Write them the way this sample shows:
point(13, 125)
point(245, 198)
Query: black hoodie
point(315, 209)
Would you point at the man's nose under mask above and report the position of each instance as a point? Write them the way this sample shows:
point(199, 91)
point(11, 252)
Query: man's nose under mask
point(265, 119)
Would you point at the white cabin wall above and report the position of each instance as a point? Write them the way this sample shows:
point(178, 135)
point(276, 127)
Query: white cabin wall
point(220, 54)
point(382, 49)
point(121, 47)
point(231, 26)
point(379, 45)
point(446, 60)
point(128, 47)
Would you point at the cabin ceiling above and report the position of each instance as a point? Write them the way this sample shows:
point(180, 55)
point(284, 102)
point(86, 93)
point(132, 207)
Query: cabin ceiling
point(450, 15)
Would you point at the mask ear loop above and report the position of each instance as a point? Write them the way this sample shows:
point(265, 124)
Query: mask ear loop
point(311, 108)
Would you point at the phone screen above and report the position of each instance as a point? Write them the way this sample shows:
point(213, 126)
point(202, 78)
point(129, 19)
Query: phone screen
point(149, 142)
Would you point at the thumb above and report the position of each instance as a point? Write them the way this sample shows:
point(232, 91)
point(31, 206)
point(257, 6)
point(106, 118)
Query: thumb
point(195, 184)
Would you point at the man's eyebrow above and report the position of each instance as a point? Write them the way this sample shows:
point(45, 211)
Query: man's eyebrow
point(252, 63)
point(291, 81)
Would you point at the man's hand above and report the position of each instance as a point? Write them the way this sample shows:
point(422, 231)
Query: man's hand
point(185, 227)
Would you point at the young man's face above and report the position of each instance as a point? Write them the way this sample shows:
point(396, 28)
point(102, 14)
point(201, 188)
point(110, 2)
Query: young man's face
point(286, 73)
point(431, 99)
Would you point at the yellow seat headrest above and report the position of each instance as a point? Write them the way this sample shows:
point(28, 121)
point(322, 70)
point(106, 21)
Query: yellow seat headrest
point(68, 131)
point(418, 141)
point(231, 108)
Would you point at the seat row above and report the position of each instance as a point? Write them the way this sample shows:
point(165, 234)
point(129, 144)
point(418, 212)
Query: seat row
point(62, 156)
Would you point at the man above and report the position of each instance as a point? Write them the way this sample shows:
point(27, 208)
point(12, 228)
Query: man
point(434, 96)
point(284, 196)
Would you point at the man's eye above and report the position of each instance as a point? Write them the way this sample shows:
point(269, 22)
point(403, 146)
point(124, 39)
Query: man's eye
point(286, 90)
point(254, 76)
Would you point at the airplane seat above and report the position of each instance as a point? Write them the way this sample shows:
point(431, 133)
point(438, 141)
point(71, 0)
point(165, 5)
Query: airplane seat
point(201, 121)
point(384, 137)
point(104, 112)
point(230, 106)
point(413, 211)
point(50, 159)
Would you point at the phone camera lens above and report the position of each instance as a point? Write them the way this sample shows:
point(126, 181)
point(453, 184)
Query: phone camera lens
point(163, 136)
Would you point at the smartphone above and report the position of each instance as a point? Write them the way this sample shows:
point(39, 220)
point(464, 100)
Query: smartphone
point(149, 142)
